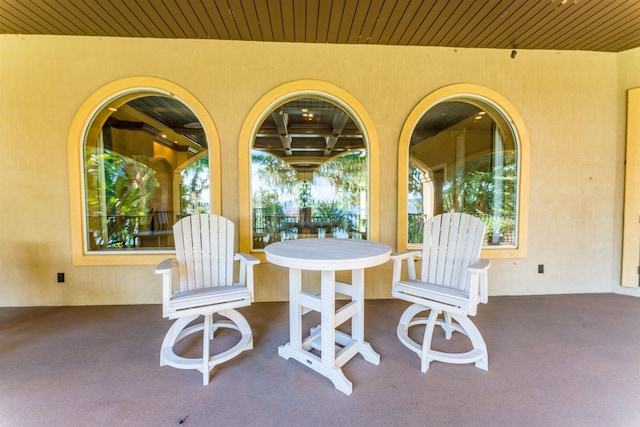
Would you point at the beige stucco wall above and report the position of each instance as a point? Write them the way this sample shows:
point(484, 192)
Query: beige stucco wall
point(570, 102)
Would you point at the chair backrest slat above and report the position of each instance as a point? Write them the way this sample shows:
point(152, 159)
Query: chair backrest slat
point(209, 231)
point(452, 242)
point(204, 250)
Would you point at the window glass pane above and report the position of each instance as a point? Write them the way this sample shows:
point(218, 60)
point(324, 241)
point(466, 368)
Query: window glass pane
point(309, 174)
point(145, 166)
point(463, 158)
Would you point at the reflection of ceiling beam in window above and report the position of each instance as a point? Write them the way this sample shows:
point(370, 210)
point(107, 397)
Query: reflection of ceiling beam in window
point(340, 119)
point(189, 131)
point(308, 132)
point(420, 135)
point(170, 138)
point(281, 118)
point(307, 164)
point(445, 116)
point(149, 130)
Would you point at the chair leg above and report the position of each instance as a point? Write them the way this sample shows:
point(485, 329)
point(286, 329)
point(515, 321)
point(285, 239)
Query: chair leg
point(206, 338)
point(239, 323)
point(479, 354)
point(452, 323)
point(176, 332)
point(426, 342)
point(181, 329)
point(446, 325)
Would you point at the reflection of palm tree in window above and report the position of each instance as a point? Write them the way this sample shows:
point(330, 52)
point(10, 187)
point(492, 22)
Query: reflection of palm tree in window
point(194, 188)
point(118, 198)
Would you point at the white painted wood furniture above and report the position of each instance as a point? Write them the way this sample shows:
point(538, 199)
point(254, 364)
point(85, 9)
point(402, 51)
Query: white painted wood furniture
point(453, 281)
point(205, 264)
point(335, 347)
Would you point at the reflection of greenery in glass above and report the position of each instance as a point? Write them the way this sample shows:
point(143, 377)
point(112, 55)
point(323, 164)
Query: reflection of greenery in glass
point(336, 191)
point(271, 180)
point(348, 176)
point(116, 197)
point(194, 188)
point(415, 189)
point(473, 191)
point(328, 209)
point(470, 188)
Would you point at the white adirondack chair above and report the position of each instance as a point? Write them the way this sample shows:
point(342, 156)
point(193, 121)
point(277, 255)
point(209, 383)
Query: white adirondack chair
point(453, 281)
point(205, 261)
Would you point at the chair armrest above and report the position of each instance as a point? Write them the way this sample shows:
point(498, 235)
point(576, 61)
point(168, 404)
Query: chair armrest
point(165, 265)
point(479, 286)
point(164, 268)
point(397, 264)
point(249, 259)
point(246, 270)
point(480, 266)
point(405, 255)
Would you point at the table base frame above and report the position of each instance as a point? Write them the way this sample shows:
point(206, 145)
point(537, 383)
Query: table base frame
point(336, 348)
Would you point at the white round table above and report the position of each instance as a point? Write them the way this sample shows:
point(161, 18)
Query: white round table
point(328, 256)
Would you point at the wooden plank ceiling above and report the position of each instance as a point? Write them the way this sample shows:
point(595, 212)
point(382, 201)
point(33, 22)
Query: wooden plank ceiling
point(591, 25)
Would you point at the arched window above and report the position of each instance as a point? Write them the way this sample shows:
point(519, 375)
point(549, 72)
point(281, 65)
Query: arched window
point(144, 163)
point(309, 164)
point(464, 154)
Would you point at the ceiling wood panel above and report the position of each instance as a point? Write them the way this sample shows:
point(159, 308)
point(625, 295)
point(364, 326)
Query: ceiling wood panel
point(346, 22)
point(26, 17)
point(132, 9)
point(65, 24)
point(299, 21)
point(359, 18)
point(275, 18)
point(373, 11)
point(84, 18)
point(135, 19)
point(195, 20)
point(497, 28)
point(391, 21)
point(450, 19)
point(591, 25)
point(482, 28)
point(514, 23)
point(619, 27)
point(110, 19)
point(237, 12)
point(404, 22)
point(484, 14)
point(180, 23)
point(323, 20)
point(260, 9)
point(206, 19)
point(286, 12)
point(334, 23)
point(446, 16)
point(225, 14)
point(311, 20)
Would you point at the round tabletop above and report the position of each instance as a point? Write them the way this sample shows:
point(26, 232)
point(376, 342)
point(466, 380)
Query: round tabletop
point(327, 254)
